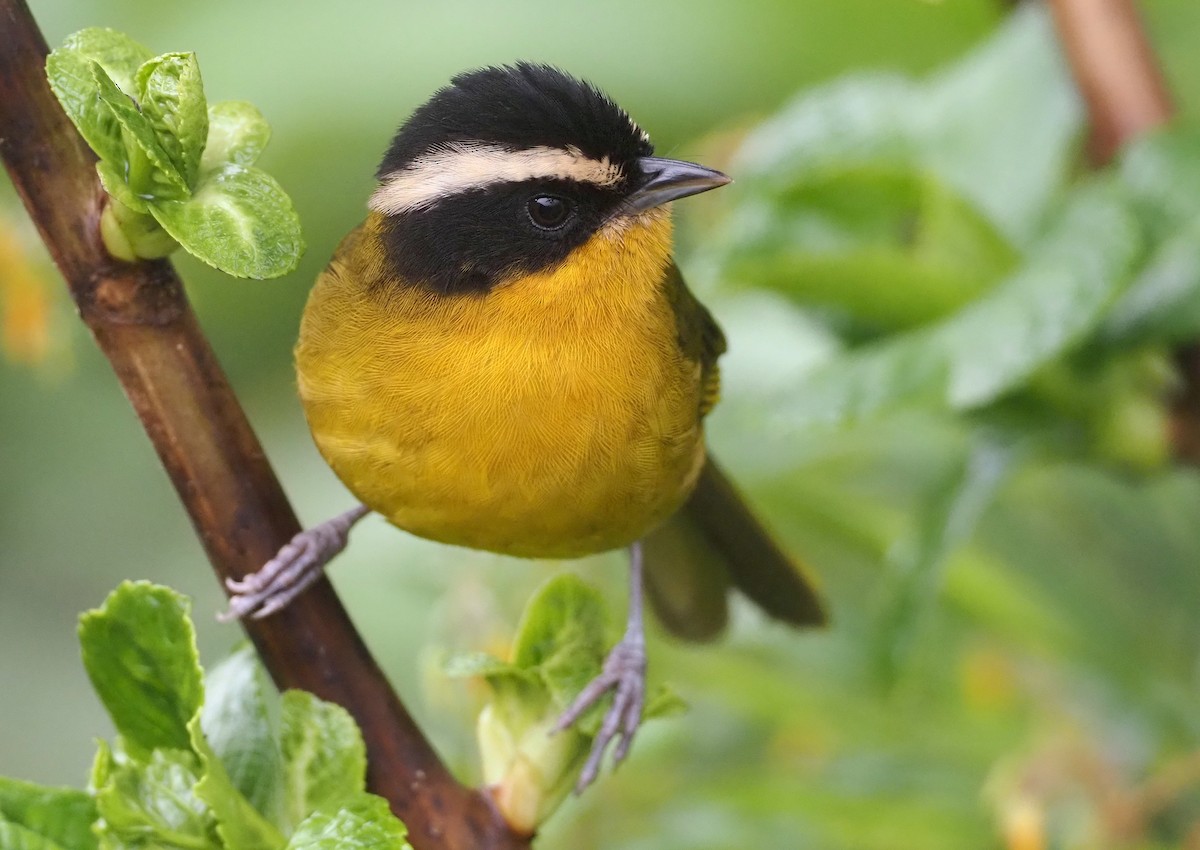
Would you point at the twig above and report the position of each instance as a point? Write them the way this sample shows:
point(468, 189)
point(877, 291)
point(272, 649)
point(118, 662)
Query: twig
point(140, 318)
point(1115, 69)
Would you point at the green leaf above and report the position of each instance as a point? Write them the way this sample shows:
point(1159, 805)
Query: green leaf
point(893, 246)
point(69, 70)
point(238, 220)
point(1162, 170)
point(236, 723)
point(324, 758)
point(118, 54)
point(896, 202)
point(853, 120)
point(139, 649)
point(237, 133)
point(157, 139)
point(559, 648)
point(63, 816)
point(16, 837)
point(74, 84)
point(113, 181)
point(1162, 173)
point(562, 635)
point(994, 344)
point(149, 170)
point(1050, 305)
point(364, 821)
point(1162, 304)
point(238, 823)
point(559, 645)
point(1001, 125)
point(171, 96)
point(154, 804)
point(998, 127)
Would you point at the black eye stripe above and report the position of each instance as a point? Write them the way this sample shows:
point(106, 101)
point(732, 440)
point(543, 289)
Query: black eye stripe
point(470, 241)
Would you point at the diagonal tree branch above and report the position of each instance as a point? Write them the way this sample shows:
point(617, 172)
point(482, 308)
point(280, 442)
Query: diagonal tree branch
point(141, 319)
point(1115, 68)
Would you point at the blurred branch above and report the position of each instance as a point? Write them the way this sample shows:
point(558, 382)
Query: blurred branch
point(1115, 69)
point(141, 319)
point(1185, 417)
point(1126, 95)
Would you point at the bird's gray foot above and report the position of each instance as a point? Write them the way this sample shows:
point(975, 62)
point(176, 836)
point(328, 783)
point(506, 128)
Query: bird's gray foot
point(296, 566)
point(624, 674)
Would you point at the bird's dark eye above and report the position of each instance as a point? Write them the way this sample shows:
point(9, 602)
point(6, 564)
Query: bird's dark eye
point(549, 212)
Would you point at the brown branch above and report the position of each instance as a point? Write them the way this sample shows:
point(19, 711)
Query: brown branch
point(141, 319)
point(1185, 412)
point(1115, 69)
point(1114, 66)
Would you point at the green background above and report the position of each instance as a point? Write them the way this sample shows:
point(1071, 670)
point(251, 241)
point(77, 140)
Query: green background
point(792, 740)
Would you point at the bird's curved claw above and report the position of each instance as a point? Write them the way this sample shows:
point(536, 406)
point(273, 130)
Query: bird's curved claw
point(624, 674)
point(293, 569)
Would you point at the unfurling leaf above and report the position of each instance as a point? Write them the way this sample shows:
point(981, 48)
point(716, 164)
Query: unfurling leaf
point(237, 133)
point(171, 96)
point(527, 767)
point(150, 172)
point(238, 220)
point(179, 171)
point(69, 69)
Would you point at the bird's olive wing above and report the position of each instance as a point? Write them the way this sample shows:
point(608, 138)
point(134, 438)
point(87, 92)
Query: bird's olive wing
point(700, 337)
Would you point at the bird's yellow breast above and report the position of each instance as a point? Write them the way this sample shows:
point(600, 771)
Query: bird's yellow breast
point(553, 416)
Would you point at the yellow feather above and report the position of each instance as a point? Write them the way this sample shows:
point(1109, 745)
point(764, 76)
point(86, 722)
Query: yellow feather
point(554, 416)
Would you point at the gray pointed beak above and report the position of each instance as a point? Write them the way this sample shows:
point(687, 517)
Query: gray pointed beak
point(666, 180)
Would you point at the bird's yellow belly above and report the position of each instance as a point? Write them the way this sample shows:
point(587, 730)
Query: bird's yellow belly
point(497, 423)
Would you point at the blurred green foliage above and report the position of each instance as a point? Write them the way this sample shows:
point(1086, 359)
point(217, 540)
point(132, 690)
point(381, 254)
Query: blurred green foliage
point(946, 390)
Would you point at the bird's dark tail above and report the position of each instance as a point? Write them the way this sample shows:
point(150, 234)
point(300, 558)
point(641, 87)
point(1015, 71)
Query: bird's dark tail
point(713, 543)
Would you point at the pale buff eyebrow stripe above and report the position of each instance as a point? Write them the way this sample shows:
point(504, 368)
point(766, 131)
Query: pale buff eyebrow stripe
point(454, 169)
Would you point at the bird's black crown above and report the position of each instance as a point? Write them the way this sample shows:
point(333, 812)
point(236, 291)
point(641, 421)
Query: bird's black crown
point(520, 106)
point(468, 237)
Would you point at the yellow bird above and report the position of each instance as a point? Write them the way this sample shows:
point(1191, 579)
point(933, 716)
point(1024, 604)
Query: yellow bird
point(504, 356)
